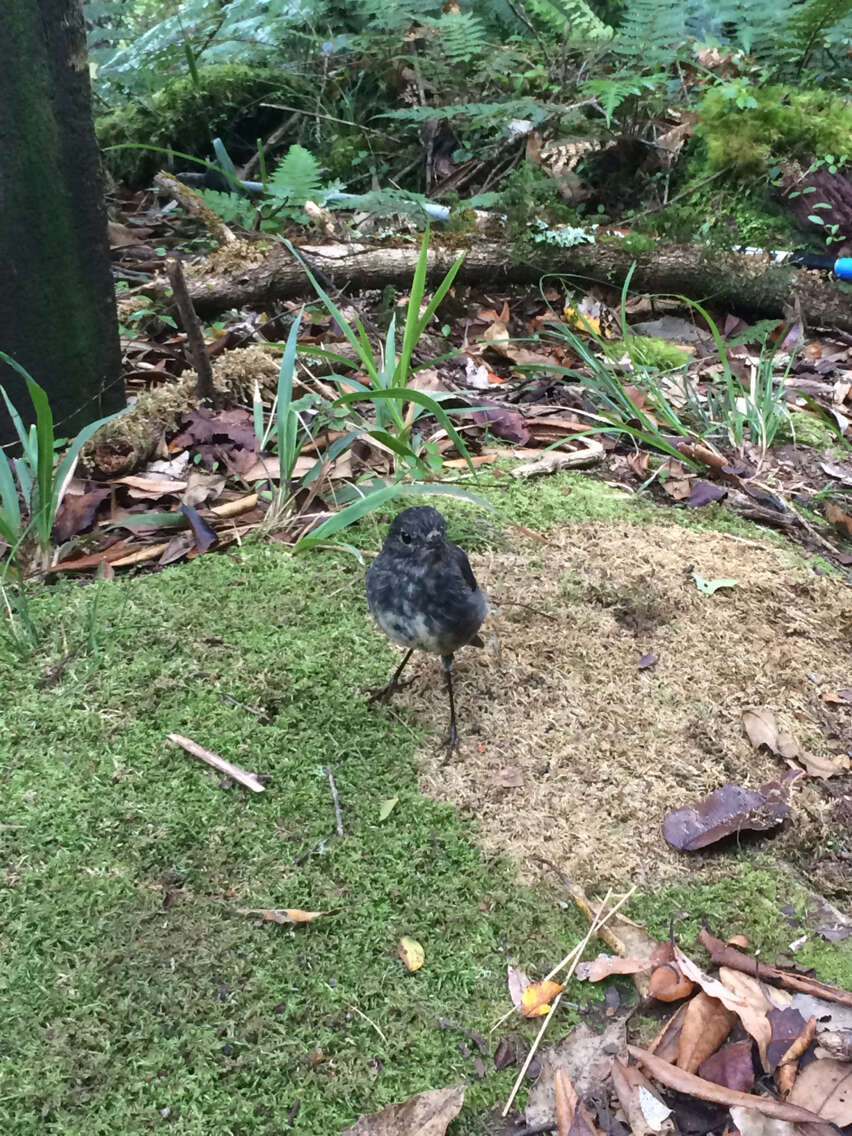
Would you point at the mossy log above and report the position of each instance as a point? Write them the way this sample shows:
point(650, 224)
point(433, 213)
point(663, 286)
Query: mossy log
point(749, 285)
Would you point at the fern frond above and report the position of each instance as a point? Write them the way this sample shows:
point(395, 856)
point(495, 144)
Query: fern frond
point(573, 19)
point(233, 209)
point(297, 178)
point(463, 36)
point(651, 31)
point(810, 24)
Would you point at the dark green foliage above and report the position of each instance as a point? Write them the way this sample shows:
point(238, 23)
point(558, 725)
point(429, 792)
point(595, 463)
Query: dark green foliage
point(185, 117)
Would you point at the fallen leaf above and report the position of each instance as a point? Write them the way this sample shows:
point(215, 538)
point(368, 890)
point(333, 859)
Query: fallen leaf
point(761, 728)
point(77, 513)
point(411, 953)
point(755, 1021)
point(823, 767)
point(536, 998)
point(727, 810)
point(517, 982)
point(285, 914)
point(751, 1123)
point(841, 520)
point(665, 1044)
point(655, 1112)
point(205, 537)
point(427, 1114)
point(202, 487)
point(503, 423)
point(710, 587)
point(628, 1082)
point(639, 463)
point(622, 936)
point(738, 941)
point(667, 984)
point(678, 488)
point(387, 807)
point(706, 1024)
point(730, 957)
point(572, 1117)
point(705, 493)
point(731, 1066)
point(683, 1082)
point(606, 965)
point(647, 661)
point(788, 1067)
point(155, 487)
point(825, 1087)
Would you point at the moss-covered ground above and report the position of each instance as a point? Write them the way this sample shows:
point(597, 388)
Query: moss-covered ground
point(135, 998)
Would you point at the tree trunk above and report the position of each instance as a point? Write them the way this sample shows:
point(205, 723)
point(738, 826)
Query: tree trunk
point(749, 285)
point(57, 299)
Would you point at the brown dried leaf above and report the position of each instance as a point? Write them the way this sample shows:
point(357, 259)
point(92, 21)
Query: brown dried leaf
point(728, 809)
point(536, 998)
point(841, 520)
point(606, 965)
point(825, 1087)
point(285, 914)
point(627, 1080)
point(427, 1114)
point(761, 728)
point(665, 1044)
point(667, 984)
point(788, 1067)
point(706, 1024)
point(755, 1022)
point(77, 512)
point(684, 1082)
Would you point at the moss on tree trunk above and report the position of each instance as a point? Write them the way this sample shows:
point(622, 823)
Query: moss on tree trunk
point(57, 302)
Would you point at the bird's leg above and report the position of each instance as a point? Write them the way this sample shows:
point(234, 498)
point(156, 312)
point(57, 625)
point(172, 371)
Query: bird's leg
point(383, 693)
point(452, 740)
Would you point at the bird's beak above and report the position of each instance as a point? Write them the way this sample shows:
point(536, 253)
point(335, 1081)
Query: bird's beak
point(434, 539)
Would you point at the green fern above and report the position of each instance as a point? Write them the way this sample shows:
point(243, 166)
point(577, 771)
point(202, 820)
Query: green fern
point(810, 25)
point(573, 19)
point(233, 209)
point(296, 178)
point(651, 31)
point(611, 93)
point(463, 36)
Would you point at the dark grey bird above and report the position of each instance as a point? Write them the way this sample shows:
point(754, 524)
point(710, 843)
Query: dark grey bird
point(423, 594)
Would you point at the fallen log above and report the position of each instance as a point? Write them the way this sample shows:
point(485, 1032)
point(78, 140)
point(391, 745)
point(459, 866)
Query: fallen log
point(246, 275)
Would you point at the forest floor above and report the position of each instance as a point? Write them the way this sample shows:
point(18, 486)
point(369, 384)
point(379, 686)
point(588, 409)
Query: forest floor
point(138, 995)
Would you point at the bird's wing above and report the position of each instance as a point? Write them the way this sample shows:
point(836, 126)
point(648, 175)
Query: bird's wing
point(463, 564)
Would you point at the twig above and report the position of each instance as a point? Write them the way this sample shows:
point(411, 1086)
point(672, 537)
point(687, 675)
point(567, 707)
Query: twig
point(331, 118)
point(599, 921)
point(228, 768)
point(337, 817)
point(194, 335)
point(683, 193)
point(194, 203)
point(370, 1020)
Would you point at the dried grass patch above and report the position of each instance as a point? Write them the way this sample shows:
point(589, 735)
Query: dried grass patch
point(603, 750)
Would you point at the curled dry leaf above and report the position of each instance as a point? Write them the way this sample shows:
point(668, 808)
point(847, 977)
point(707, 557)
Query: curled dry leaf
point(751, 1123)
point(606, 965)
point(427, 1114)
point(665, 1044)
point(787, 1027)
point(683, 1082)
point(536, 998)
point(788, 1067)
point(285, 914)
point(755, 1021)
point(761, 729)
point(706, 1024)
point(728, 809)
point(667, 984)
point(411, 953)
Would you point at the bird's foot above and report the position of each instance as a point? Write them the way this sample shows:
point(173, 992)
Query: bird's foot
point(450, 745)
point(386, 692)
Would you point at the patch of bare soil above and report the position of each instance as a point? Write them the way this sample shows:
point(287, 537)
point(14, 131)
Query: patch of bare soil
point(573, 753)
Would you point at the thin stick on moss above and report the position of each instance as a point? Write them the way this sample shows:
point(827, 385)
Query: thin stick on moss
point(338, 819)
point(227, 767)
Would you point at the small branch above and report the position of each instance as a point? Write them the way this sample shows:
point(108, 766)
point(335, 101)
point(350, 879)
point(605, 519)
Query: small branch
point(228, 768)
point(194, 334)
point(337, 817)
point(194, 204)
point(361, 1014)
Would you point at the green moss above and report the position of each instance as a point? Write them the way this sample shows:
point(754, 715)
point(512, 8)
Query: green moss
point(184, 117)
point(648, 351)
point(807, 430)
point(786, 124)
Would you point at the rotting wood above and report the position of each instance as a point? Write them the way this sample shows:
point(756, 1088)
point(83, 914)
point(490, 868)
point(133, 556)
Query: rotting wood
point(751, 285)
point(227, 767)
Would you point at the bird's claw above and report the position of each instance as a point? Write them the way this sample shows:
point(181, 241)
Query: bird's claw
point(384, 693)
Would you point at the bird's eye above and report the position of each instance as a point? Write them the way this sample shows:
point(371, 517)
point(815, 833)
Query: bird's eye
point(405, 537)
